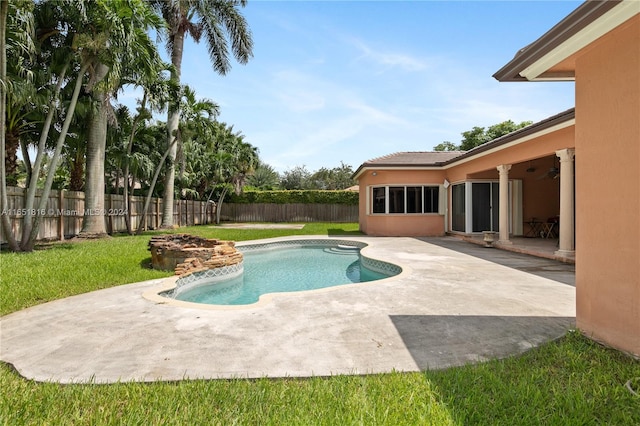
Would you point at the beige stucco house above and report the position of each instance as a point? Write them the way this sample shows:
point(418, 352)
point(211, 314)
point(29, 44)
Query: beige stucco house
point(576, 174)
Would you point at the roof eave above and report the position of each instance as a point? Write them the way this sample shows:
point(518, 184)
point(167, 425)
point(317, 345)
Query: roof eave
point(529, 62)
point(547, 125)
point(395, 166)
point(526, 133)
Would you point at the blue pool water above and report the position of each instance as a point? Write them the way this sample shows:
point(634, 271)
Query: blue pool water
point(283, 269)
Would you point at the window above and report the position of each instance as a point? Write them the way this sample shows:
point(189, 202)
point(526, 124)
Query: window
point(405, 199)
point(431, 199)
point(414, 199)
point(396, 199)
point(379, 198)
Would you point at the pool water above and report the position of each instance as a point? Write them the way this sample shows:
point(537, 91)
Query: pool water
point(289, 269)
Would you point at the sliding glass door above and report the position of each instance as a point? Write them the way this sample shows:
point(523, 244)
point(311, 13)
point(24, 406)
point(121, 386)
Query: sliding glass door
point(475, 207)
point(485, 213)
point(458, 208)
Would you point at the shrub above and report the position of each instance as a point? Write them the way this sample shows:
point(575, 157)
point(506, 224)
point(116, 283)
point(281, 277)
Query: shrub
point(295, 197)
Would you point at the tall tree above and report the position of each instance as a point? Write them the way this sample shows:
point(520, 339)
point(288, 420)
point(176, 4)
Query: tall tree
point(51, 86)
point(296, 178)
point(265, 177)
point(6, 225)
point(331, 179)
point(119, 31)
point(234, 161)
point(196, 120)
point(219, 22)
point(479, 135)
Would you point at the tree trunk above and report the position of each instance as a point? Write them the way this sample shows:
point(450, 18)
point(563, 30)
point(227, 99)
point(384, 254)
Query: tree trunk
point(127, 204)
point(147, 200)
point(4, 200)
point(31, 224)
point(127, 196)
point(127, 199)
point(76, 180)
point(219, 205)
point(12, 143)
point(93, 222)
point(173, 120)
point(27, 160)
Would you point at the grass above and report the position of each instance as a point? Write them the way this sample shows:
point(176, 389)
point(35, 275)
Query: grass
point(570, 381)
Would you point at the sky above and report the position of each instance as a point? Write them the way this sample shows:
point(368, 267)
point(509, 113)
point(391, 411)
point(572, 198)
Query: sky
point(343, 82)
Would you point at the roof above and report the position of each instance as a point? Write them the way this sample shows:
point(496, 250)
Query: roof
point(430, 159)
point(412, 159)
point(585, 24)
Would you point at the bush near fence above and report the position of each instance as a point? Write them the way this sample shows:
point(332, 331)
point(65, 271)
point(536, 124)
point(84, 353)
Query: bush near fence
point(295, 197)
point(291, 206)
point(268, 212)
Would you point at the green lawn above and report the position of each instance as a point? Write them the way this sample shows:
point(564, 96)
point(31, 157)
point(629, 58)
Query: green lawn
point(569, 381)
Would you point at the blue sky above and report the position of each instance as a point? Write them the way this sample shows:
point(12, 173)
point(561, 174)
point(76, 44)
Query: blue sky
point(348, 81)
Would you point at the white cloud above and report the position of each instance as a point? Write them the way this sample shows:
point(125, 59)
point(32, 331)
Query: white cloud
point(388, 59)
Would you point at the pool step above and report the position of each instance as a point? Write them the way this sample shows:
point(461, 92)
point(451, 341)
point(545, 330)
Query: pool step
point(341, 249)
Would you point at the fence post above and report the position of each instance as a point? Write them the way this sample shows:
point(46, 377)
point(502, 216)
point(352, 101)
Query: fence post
point(109, 217)
point(61, 214)
point(157, 215)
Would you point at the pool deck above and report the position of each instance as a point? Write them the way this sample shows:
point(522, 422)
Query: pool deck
point(454, 303)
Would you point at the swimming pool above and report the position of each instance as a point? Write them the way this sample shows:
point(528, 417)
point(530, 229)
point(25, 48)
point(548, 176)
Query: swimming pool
point(290, 266)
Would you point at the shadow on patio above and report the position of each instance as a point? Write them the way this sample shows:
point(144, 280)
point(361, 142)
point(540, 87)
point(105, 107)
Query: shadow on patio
point(532, 255)
point(433, 338)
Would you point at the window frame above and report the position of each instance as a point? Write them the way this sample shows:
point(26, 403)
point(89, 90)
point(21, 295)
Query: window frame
point(428, 196)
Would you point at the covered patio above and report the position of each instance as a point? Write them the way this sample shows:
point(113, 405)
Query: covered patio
point(546, 248)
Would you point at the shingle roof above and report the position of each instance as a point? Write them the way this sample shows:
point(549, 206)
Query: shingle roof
point(415, 158)
point(443, 158)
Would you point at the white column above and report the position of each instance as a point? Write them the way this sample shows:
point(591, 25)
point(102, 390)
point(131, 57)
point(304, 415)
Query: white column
point(567, 214)
point(503, 169)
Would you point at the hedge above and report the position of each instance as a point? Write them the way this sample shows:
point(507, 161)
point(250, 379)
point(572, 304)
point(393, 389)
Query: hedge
point(295, 197)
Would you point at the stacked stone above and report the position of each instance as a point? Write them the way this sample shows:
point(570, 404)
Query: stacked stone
point(186, 253)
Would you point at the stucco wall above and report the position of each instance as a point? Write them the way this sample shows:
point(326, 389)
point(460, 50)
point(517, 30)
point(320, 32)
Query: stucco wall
point(607, 188)
point(540, 195)
point(544, 145)
point(410, 225)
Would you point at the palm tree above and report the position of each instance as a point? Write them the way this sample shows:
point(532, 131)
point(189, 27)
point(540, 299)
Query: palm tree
point(118, 34)
point(156, 94)
point(30, 222)
point(16, 24)
point(19, 102)
point(216, 21)
point(265, 177)
point(233, 162)
point(196, 120)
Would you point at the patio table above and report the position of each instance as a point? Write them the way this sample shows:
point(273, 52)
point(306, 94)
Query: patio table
point(535, 229)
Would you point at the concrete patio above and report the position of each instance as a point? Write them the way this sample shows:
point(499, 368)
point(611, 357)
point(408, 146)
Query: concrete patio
point(454, 303)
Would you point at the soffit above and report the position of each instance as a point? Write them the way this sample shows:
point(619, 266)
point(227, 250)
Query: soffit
point(552, 56)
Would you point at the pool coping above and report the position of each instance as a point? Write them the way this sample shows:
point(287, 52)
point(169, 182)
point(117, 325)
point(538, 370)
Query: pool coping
point(171, 283)
point(447, 308)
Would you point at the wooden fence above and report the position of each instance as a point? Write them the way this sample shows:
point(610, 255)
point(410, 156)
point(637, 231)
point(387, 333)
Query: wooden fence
point(289, 213)
point(62, 216)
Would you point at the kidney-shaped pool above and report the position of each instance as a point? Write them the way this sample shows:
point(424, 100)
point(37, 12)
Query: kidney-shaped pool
point(287, 266)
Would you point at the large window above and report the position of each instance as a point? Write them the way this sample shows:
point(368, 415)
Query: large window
point(405, 199)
